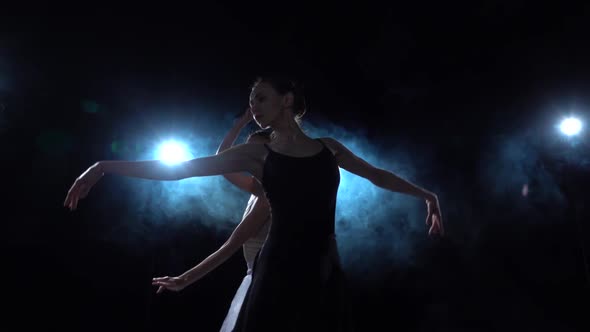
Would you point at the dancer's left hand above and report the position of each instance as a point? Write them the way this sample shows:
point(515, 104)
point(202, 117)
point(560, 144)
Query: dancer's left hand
point(434, 218)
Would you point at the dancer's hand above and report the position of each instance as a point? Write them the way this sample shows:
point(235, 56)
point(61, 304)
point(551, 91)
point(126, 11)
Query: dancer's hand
point(82, 186)
point(170, 283)
point(434, 218)
point(245, 118)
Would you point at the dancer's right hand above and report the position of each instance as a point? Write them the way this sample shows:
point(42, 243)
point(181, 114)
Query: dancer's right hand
point(171, 283)
point(245, 118)
point(82, 186)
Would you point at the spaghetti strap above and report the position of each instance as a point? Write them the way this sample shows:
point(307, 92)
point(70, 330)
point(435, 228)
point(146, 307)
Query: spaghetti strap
point(325, 146)
point(320, 140)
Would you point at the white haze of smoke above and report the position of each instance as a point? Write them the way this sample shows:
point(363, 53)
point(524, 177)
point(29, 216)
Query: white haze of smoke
point(374, 226)
point(512, 162)
point(209, 200)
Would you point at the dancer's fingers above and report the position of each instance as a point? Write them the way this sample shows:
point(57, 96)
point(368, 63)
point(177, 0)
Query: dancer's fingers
point(436, 227)
point(429, 218)
point(162, 283)
point(69, 196)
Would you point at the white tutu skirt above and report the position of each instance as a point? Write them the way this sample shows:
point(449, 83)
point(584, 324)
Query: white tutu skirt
point(236, 304)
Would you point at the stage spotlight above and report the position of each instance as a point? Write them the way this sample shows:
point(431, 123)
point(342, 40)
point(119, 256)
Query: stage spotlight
point(173, 152)
point(570, 126)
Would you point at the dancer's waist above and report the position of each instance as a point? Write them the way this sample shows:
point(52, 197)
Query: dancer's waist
point(309, 243)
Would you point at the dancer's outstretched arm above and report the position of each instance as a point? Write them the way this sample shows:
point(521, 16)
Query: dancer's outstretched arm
point(245, 230)
point(244, 182)
point(388, 180)
point(240, 158)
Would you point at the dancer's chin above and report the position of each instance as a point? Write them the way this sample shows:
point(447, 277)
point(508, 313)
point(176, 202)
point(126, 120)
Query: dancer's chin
point(262, 125)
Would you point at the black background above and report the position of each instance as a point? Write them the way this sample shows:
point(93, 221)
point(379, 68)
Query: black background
point(448, 76)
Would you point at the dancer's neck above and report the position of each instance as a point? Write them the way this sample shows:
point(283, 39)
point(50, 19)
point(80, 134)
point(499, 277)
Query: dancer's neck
point(287, 132)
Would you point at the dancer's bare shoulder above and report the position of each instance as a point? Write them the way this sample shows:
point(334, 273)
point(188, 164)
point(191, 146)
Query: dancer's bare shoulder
point(349, 161)
point(332, 144)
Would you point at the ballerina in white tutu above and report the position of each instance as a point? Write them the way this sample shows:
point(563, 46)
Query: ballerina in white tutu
point(252, 246)
point(250, 234)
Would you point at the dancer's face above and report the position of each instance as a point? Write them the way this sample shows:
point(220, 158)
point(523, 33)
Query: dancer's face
point(266, 104)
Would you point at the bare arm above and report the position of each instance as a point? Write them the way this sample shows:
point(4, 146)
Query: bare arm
point(244, 182)
point(379, 177)
point(237, 159)
point(245, 157)
point(387, 180)
point(245, 230)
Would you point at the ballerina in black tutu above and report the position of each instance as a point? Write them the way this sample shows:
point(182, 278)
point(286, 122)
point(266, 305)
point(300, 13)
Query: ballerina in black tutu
point(297, 282)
